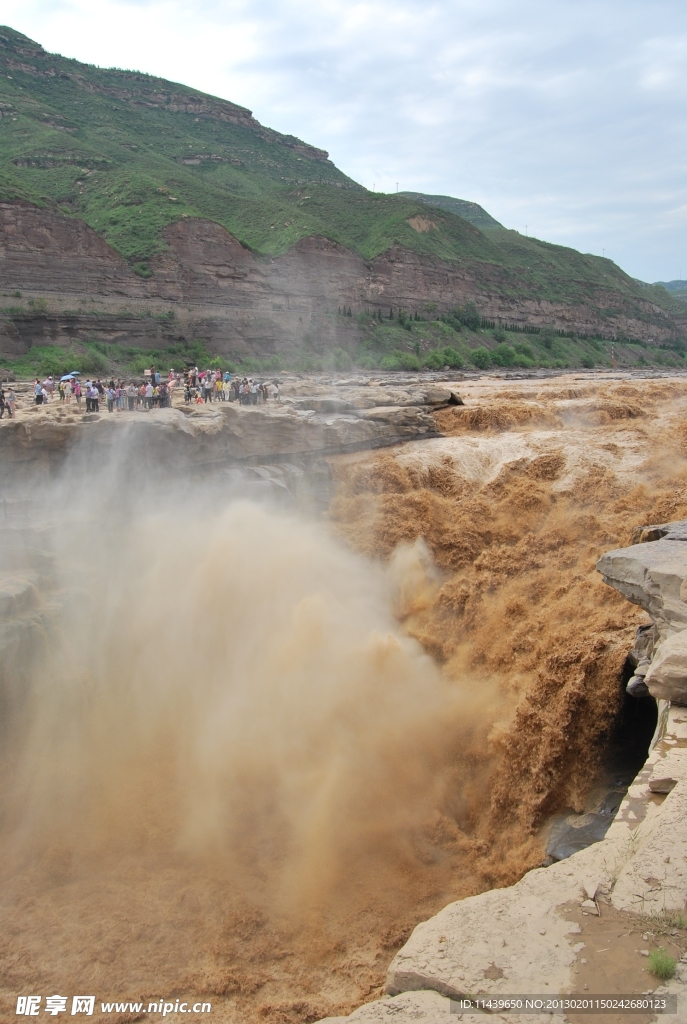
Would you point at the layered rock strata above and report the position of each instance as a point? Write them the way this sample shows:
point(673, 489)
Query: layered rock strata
point(244, 304)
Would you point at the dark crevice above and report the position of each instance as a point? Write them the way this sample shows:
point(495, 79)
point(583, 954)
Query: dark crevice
point(625, 752)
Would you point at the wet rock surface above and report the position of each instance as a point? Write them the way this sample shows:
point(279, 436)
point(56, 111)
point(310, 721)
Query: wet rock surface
point(653, 574)
point(311, 419)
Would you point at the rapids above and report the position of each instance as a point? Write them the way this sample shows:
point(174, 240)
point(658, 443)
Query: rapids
point(259, 747)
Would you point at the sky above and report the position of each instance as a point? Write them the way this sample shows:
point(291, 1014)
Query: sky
point(563, 118)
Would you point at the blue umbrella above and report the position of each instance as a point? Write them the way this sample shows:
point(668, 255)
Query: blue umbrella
point(67, 376)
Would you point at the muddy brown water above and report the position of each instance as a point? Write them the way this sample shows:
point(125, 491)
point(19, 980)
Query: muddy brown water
point(283, 744)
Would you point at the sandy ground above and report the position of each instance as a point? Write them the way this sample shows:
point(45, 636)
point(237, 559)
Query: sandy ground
point(531, 482)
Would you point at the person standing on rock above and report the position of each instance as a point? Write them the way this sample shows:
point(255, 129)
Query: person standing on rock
point(77, 394)
point(68, 391)
point(9, 402)
point(38, 392)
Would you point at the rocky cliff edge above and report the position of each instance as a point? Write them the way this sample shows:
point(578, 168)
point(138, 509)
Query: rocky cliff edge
point(587, 924)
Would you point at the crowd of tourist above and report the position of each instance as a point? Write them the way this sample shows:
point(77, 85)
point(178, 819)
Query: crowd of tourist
point(153, 393)
point(213, 386)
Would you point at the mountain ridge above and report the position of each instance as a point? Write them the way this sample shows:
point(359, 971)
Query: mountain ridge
point(152, 191)
point(472, 212)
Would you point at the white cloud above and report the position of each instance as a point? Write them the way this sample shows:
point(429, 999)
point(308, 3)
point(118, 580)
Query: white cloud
point(565, 116)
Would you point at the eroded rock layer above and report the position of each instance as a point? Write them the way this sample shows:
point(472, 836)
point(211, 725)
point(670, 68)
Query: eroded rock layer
point(247, 304)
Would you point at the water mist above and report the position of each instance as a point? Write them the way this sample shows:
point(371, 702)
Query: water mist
point(227, 702)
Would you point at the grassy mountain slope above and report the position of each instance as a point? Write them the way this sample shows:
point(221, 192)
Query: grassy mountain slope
point(472, 212)
point(678, 289)
point(130, 153)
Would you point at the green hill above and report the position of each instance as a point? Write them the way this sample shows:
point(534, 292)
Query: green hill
point(130, 153)
point(472, 212)
point(678, 289)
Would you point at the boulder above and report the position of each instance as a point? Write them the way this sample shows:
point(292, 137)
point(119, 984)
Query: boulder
point(668, 771)
point(636, 687)
point(667, 675)
point(652, 575)
point(660, 531)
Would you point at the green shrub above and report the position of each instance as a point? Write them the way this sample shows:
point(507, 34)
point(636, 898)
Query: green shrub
point(52, 365)
point(481, 357)
point(661, 963)
point(523, 348)
point(503, 355)
point(588, 363)
point(142, 269)
point(501, 336)
point(38, 305)
point(400, 361)
point(409, 361)
point(93, 362)
point(438, 358)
